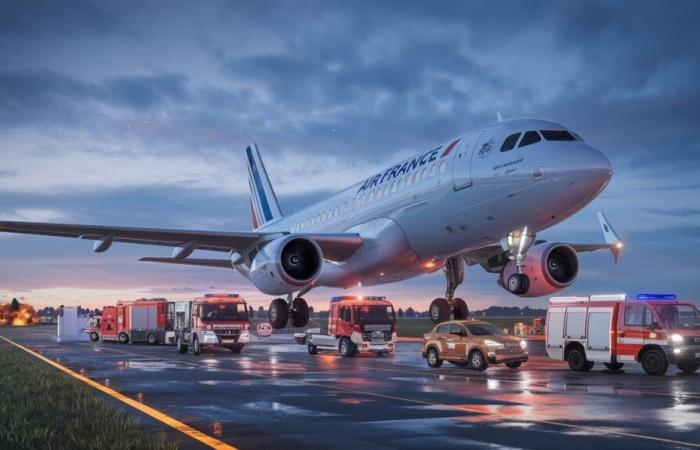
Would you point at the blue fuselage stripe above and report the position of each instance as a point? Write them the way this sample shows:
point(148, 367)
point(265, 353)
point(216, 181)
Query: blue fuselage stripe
point(258, 187)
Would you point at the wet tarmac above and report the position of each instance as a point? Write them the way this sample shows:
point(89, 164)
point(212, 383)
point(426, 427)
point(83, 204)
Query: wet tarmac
point(275, 395)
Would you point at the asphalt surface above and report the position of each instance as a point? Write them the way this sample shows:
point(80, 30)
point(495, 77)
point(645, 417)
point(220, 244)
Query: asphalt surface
point(275, 395)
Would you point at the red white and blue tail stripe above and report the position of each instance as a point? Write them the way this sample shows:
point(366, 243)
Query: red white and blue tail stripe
point(263, 200)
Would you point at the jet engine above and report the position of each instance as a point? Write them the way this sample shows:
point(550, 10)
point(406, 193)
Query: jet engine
point(548, 267)
point(286, 265)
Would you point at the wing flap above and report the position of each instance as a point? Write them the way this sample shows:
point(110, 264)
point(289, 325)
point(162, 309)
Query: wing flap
point(205, 262)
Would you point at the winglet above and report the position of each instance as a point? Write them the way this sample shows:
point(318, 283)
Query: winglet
point(611, 237)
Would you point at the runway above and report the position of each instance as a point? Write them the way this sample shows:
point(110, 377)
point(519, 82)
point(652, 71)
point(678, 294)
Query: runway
point(275, 395)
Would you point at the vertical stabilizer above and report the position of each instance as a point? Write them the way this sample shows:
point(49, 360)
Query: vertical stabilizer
point(264, 204)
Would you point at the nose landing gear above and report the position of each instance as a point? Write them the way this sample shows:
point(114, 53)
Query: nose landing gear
point(442, 309)
point(517, 243)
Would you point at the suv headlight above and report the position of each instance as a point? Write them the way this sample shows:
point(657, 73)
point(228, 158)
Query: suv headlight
point(676, 338)
point(523, 344)
point(494, 344)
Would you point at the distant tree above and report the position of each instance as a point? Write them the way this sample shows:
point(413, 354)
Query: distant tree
point(14, 306)
point(251, 312)
point(261, 311)
point(400, 313)
point(311, 311)
point(410, 313)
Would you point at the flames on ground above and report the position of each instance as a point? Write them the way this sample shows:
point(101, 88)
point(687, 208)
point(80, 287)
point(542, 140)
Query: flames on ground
point(17, 314)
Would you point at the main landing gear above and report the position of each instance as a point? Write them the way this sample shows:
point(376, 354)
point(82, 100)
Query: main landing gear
point(517, 243)
point(441, 309)
point(293, 310)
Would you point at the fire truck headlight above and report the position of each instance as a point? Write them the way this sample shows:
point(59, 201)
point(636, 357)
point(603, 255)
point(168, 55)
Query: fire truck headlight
point(493, 344)
point(676, 338)
point(523, 344)
point(676, 351)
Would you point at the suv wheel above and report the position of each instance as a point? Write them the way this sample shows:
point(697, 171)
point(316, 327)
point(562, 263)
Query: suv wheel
point(513, 364)
point(477, 360)
point(654, 362)
point(433, 358)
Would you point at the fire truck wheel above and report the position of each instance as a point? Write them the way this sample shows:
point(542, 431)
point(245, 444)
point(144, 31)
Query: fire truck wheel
point(518, 283)
point(312, 349)
point(94, 337)
point(151, 339)
point(299, 314)
point(477, 361)
point(278, 313)
point(181, 348)
point(513, 364)
point(439, 310)
point(196, 348)
point(346, 348)
point(461, 310)
point(654, 362)
point(123, 338)
point(689, 367)
point(614, 366)
point(433, 358)
point(577, 360)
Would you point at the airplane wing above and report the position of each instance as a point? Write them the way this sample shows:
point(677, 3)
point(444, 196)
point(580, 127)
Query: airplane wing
point(492, 258)
point(335, 246)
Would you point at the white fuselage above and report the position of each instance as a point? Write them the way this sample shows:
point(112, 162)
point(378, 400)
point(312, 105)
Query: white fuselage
point(454, 198)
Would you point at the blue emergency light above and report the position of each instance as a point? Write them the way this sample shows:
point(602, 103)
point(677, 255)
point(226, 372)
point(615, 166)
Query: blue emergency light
point(656, 297)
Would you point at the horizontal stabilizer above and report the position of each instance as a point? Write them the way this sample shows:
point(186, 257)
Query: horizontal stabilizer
point(205, 262)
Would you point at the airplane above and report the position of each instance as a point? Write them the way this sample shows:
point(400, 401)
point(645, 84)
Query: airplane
point(479, 198)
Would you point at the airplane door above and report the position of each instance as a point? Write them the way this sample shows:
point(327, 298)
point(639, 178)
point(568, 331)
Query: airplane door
point(462, 160)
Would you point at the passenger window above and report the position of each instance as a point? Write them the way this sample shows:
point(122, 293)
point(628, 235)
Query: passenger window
point(444, 328)
point(557, 135)
point(637, 316)
point(530, 138)
point(510, 142)
point(457, 330)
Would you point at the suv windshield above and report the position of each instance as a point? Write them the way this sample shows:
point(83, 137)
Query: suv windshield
point(224, 311)
point(678, 316)
point(484, 329)
point(374, 314)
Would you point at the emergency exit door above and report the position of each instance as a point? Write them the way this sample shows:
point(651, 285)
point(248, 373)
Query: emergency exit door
point(462, 162)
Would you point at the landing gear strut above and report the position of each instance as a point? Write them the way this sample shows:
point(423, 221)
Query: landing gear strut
point(517, 243)
point(441, 309)
point(293, 310)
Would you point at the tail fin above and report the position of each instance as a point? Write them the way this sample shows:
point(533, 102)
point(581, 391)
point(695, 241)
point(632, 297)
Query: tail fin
point(263, 200)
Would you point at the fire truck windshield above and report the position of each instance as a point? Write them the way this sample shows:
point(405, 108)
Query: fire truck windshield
point(224, 311)
point(374, 314)
point(678, 316)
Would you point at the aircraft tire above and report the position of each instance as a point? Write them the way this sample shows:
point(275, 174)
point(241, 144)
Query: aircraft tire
point(439, 310)
point(278, 313)
point(518, 284)
point(460, 310)
point(299, 313)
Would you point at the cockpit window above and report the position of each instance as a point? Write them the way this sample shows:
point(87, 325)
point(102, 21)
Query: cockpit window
point(529, 138)
point(510, 142)
point(557, 135)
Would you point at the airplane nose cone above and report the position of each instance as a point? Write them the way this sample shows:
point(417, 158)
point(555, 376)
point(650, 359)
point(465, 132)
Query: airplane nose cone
point(590, 170)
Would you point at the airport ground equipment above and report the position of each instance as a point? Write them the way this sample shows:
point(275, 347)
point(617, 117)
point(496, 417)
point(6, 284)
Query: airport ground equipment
point(138, 321)
point(212, 320)
point(654, 330)
point(472, 343)
point(356, 324)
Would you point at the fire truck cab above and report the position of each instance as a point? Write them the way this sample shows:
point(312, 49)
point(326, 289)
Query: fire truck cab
point(654, 330)
point(355, 324)
point(212, 320)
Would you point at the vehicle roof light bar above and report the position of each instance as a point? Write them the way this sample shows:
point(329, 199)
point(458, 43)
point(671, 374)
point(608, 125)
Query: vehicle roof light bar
point(589, 298)
point(657, 297)
point(355, 297)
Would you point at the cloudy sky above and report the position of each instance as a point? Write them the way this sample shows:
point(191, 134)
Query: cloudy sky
point(133, 113)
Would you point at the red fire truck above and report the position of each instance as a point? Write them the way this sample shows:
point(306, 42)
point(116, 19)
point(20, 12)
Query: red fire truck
point(212, 320)
point(141, 320)
point(654, 330)
point(355, 324)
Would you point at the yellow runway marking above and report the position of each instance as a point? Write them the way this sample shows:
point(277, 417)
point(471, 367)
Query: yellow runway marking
point(595, 430)
point(174, 423)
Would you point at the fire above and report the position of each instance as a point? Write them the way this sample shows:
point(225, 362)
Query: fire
point(17, 314)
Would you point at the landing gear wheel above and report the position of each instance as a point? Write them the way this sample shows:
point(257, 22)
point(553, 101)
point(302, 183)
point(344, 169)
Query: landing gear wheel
point(513, 364)
point(94, 337)
point(654, 362)
point(278, 313)
point(518, 283)
point(313, 350)
point(477, 361)
point(460, 309)
point(439, 310)
point(196, 347)
point(689, 367)
point(151, 339)
point(123, 338)
point(614, 366)
point(181, 348)
point(433, 358)
point(299, 314)
point(578, 362)
point(346, 348)
point(459, 363)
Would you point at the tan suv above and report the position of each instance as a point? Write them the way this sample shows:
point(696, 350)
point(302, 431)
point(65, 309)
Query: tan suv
point(472, 343)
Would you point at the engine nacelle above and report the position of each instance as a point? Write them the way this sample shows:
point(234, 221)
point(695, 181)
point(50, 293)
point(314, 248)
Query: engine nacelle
point(286, 265)
point(550, 267)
